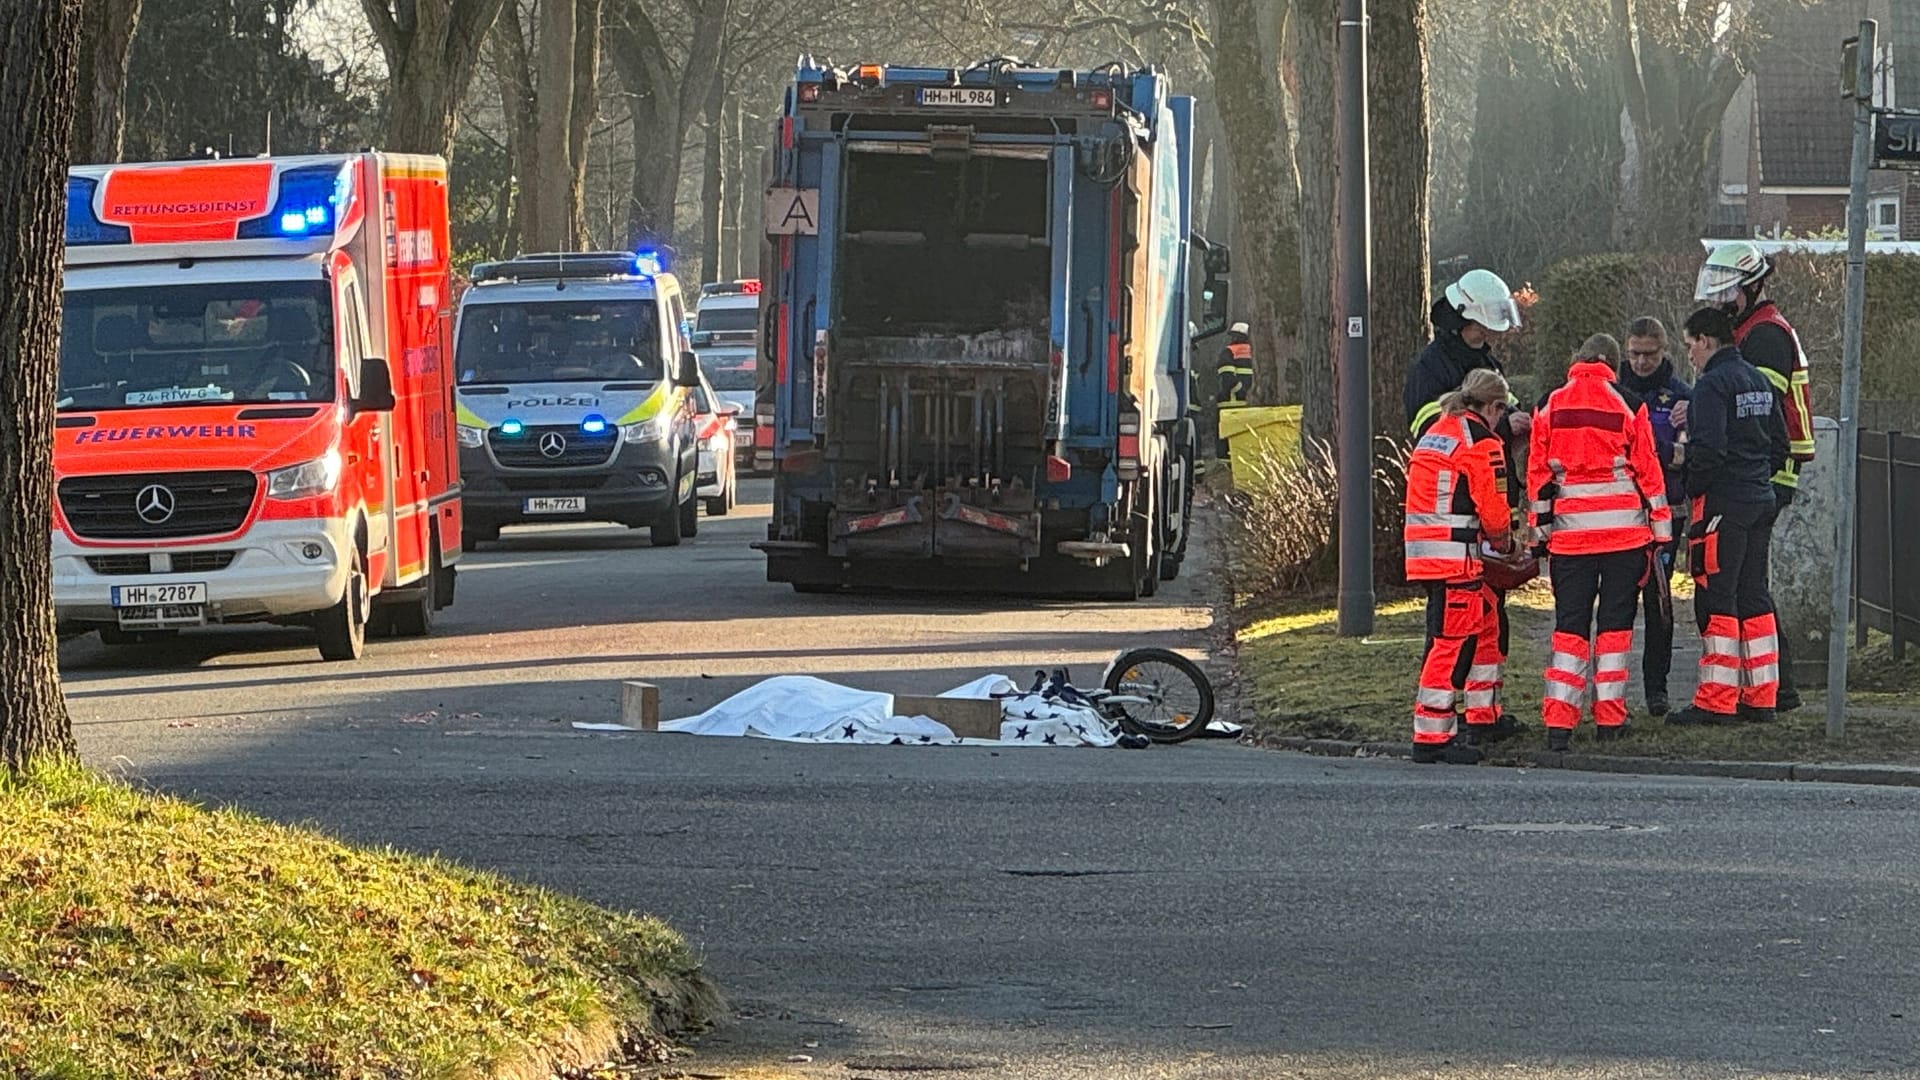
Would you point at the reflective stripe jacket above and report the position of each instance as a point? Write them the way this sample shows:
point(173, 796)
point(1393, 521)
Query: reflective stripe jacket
point(1593, 471)
point(1770, 344)
point(1236, 373)
point(1456, 494)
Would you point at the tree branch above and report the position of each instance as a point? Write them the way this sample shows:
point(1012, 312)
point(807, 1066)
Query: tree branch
point(385, 30)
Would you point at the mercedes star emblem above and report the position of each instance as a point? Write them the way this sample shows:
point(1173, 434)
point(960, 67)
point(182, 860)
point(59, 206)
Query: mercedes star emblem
point(553, 444)
point(154, 504)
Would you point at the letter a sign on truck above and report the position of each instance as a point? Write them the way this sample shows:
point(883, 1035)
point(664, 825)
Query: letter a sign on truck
point(793, 212)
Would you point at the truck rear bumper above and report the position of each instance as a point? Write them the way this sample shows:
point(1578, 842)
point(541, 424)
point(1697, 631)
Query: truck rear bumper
point(264, 574)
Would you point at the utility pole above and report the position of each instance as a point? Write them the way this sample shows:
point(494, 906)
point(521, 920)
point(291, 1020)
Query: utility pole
point(1862, 93)
point(1356, 286)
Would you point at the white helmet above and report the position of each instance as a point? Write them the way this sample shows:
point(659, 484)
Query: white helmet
point(1480, 296)
point(1730, 266)
point(1238, 328)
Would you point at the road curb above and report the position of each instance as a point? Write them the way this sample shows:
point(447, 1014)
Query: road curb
point(1805, 772)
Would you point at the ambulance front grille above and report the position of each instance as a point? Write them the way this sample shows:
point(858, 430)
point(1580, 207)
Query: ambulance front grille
point(152, 506)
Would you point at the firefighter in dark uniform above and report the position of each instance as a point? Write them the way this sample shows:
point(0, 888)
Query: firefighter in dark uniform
point(1736, 440)
point(1236, 379)
point(1733, 277)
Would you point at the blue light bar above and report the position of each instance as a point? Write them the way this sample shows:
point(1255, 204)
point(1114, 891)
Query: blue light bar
point(594, 424)
point(650, 261)
point(511, 427)
point(308, 204)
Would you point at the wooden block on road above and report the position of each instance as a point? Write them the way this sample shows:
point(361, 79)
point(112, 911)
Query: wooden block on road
point(970, 718)
point(640, 705)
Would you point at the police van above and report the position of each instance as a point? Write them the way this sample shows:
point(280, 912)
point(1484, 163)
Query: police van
point(573, 380)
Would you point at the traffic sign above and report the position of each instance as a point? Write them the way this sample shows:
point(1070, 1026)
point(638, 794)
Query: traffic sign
point(1896, 140)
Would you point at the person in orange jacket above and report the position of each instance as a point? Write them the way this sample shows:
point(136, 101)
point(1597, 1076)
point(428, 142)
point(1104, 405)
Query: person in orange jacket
point(1456, 502)
point(1600, 504)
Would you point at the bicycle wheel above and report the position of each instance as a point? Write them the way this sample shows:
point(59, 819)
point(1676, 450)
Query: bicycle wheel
point(1176, 700)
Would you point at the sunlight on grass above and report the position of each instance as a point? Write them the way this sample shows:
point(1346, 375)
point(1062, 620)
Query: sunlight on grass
point(141, 936)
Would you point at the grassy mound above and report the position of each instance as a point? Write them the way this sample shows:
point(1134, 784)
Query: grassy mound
point(143, 936)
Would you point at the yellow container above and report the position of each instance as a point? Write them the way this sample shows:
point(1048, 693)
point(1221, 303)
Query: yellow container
point(1252, 432)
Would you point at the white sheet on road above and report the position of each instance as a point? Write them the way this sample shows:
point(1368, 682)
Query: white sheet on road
point(801, 708)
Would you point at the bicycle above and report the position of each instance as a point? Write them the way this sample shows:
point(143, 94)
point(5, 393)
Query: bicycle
point(1151, 693)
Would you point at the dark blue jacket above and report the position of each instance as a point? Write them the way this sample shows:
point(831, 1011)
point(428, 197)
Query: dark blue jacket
point(1736, 432)
point(1660, 392)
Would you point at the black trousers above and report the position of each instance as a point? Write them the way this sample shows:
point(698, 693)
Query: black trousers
point(1656, 661)
point(1610, 582)
point(1729, 557)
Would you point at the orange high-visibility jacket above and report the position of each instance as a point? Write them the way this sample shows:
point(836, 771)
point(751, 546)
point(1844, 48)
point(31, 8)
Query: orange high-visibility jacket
point(1593, 471)
point(1456, 493)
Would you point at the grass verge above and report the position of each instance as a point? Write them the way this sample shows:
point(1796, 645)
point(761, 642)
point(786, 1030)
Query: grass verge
point(1304, 680)
point(141, 936)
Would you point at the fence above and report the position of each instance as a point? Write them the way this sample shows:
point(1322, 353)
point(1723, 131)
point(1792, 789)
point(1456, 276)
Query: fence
point(1886, 579)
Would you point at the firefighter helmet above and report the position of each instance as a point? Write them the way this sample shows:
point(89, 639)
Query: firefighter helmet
point(1481, 296)
point(1730, 267)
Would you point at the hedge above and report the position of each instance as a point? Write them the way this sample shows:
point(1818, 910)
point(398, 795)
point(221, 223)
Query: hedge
point(1603, 293)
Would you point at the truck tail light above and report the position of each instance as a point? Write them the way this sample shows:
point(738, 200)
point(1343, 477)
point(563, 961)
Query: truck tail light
point(1128, 465)
point(1059, 469)
point(1056, 374)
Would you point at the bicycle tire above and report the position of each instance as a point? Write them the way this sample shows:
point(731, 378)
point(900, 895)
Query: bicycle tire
point(1124, 668)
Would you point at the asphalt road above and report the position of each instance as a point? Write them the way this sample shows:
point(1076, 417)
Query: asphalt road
point(1196, 912)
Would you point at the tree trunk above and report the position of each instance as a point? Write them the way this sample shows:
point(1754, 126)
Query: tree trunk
point(39, 43)
point(430, 47)
point(549, 201)
point(734, 193)
point(513, 70)
point(586, 81)
point(1267, 264)
point(1401, 155)
point(712, 181)
point(635, 52)
point(100, 89)
point(1310, 56)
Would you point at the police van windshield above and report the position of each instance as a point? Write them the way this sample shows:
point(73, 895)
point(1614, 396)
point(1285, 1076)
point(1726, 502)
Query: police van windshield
point(726, 318)
point(728, 371)
point(162, 346)
point(559, 341)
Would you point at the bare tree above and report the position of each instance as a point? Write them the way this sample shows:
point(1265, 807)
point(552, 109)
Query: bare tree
point(431, 47)
point(39, 44)
point(1402, 166)
point(1309, 53)
point(1253, 114)
point(664, 96)
point(1680, 64)
point(100, 89)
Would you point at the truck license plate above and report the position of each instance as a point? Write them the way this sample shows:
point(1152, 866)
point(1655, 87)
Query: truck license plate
point(965, 97)
point(576, 504)
point(140, 596)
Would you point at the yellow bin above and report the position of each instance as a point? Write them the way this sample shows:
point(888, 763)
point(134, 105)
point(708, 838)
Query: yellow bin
point(1252, 432)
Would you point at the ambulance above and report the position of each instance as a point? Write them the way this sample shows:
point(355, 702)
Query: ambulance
point(254, 403)
point(576, 387)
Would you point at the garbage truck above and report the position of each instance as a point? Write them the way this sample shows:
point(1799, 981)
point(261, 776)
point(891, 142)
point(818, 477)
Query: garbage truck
point(975, 361)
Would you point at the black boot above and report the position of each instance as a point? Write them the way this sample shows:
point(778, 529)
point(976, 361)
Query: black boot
point(1787, 700)
point(1457, 752)
point(1559, 740)
point(1657, 705)
point(1611, 733)
point(1695, 716)
point(1753, 714)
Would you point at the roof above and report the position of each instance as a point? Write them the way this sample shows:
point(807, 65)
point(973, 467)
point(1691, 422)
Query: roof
point(1805, 127)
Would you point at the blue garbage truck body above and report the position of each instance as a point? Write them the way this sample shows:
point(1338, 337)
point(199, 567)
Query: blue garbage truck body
point(975, 368)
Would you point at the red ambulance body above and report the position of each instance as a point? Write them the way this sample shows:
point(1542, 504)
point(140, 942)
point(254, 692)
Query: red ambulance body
point(254, 398)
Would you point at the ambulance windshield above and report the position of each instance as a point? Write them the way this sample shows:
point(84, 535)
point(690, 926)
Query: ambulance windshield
point(559, 341)
point(251, 342)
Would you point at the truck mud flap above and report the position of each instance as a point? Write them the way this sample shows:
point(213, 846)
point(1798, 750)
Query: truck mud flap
point(969, 532)
point(900, 532)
